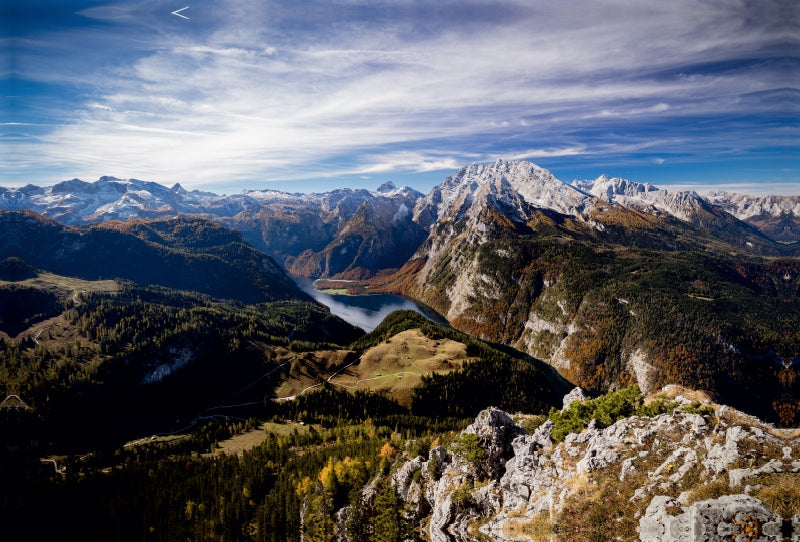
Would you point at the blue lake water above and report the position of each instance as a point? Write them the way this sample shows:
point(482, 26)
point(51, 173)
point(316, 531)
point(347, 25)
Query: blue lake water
point(366, 311)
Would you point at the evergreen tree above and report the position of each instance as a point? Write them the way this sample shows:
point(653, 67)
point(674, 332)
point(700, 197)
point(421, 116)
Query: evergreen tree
point(387, 520)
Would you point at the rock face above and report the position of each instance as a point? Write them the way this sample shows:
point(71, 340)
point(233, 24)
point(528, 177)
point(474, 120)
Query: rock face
point(496, 431)
point(726, 518)
point(577, 394)
point(693, 474)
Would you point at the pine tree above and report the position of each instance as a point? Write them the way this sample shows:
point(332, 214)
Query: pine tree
point(387, 521)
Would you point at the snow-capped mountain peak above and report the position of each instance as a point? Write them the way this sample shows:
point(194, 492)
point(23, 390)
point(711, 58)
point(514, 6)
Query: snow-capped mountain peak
point(744, 206)
point(608, 188)
point(641, 196)
point(503, 181)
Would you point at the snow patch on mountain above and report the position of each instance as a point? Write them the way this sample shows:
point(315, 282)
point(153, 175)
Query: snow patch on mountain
point(744, 206)
point(401, 214)
point(180, 358)
point(503, 184)
point(642, 196)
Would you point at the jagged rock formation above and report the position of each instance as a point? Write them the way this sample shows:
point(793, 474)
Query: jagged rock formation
point(359, 233)
point(346, 233)
point(776, 216)
point(703, 472)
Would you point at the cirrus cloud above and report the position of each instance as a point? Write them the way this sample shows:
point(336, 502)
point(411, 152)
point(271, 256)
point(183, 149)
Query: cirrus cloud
point(247, 92)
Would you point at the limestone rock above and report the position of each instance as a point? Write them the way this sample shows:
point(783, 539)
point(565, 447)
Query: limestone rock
point(402, 479)
point(660, 524)
point(496, 430)
point(577, 394)
point(721, 456)
point(533, 479)
point(726, 518)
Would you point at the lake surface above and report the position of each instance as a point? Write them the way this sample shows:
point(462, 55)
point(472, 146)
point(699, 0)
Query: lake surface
point(366, 311)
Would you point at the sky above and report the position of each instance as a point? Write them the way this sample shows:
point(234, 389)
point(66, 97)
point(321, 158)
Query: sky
point(309, 96)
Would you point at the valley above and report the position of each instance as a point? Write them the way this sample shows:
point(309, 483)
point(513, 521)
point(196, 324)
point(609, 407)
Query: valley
point(480, 305)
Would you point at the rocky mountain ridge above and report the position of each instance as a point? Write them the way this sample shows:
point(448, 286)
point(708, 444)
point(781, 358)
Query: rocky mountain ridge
point(774, 215)
point(700, 472)
point(359, 233)
point(614, 289)
point(345, 231)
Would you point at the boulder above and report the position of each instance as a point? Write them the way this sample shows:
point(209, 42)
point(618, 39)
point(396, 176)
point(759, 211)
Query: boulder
point(731, 517)
point(496, 431)
point(577, 394)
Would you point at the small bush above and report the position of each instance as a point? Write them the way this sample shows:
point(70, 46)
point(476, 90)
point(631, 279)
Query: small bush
point(532, 423)
point(606, 409)
point(462, 495)
point(657, 406)
point(467, 446)
point(696, 408)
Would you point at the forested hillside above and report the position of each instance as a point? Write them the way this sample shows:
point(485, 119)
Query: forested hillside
point(149, 360)
point(91, 364)
point(629, 297)
point(184, 254)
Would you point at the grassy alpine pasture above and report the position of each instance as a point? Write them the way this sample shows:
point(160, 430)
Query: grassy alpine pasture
point(66, 286)
point(397, 365)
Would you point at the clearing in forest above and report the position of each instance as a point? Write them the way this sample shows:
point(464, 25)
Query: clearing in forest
point(398, 365)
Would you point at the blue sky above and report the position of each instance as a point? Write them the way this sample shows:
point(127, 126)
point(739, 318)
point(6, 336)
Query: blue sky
point(309, 96)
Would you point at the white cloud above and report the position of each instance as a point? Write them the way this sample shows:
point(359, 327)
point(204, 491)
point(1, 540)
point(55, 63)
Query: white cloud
point(754, 188)
point(250, 99)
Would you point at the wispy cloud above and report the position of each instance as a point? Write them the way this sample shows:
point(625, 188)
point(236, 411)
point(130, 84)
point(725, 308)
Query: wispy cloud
point(251, 91)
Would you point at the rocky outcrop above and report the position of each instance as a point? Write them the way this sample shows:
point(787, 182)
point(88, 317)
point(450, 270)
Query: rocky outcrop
point(730, 517)
point(496, 430)
point(705, 474)
point(577, 394)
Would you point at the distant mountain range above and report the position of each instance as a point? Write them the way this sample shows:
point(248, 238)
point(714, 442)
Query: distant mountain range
point(345, 232)
point(356, 234)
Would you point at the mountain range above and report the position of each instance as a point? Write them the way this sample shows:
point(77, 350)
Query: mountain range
point(350, 233)
point(610, 281)
point(131, 309)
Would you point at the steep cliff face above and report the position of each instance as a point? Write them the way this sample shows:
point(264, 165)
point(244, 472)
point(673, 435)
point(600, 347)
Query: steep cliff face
point(379, 235)
point(610, 281)
point(701, 472)
point(608, 315)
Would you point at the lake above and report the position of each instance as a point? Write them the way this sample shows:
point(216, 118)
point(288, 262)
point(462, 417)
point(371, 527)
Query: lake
point(366, 311)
